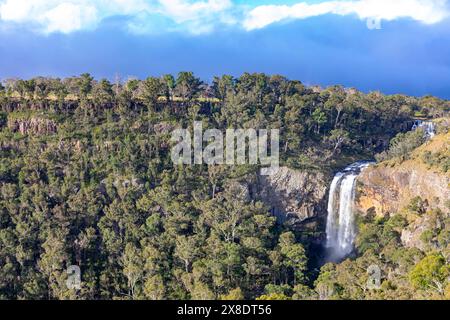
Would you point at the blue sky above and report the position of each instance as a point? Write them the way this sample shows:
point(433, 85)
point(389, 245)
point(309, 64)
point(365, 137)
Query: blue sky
point(317, 42)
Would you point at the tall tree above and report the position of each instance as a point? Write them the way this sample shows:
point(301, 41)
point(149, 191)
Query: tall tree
point(85, 85)
point(187, 86)
point(151, 90)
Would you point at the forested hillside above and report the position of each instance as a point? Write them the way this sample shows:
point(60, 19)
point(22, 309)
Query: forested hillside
point(86, 179)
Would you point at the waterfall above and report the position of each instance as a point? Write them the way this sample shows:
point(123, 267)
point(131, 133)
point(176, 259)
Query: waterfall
point(341, 230)
point(427, 126)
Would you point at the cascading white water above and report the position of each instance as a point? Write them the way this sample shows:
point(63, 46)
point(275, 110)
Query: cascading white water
point(341, 231)
point(428, 126)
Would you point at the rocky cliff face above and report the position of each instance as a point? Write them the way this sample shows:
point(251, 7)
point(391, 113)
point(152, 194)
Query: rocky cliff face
point(388, 188)
point(32, 126)
point(296, 197)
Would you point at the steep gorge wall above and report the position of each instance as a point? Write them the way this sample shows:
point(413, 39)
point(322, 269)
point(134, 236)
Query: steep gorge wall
point(389, 187)
point(296, 197)
point(386, 190)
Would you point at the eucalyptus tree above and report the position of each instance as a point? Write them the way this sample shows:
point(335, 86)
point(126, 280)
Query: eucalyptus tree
point(85, 85)
point(223, 86)
point(169, 84)
point(187, 86)
point(103, 94)
point(150, 91)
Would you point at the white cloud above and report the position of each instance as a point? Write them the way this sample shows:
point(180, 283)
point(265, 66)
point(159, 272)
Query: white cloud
point(426, 11)
point(72, 15)
point(200, 16)
point(51, 15)
point(183, 11)
point(67, 17)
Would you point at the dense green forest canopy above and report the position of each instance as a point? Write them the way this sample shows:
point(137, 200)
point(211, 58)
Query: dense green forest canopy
point(86, 179)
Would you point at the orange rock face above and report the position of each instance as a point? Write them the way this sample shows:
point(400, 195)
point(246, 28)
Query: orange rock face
point(384, 190)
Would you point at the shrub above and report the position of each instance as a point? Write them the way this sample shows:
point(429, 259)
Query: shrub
point(402, 145)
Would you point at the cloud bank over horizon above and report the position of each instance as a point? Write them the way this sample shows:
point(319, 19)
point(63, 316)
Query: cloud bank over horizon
point(428, 11)
point(203, 16)
point(66, 16)
point(323, 42)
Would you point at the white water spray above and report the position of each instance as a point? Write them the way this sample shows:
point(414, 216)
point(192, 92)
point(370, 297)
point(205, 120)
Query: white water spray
point(341, 231)
point(427, 126)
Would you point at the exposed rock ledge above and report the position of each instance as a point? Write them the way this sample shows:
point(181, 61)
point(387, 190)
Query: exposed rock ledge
point(385, 190)
point(32, 126)
point(389, 187)
point(295, 196)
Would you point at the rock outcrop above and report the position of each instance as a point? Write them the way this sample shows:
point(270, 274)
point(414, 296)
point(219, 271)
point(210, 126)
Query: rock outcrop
point(295, 196)
point(387, 188)
point(411, 236)
point(32, 126)
point(398, 187)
